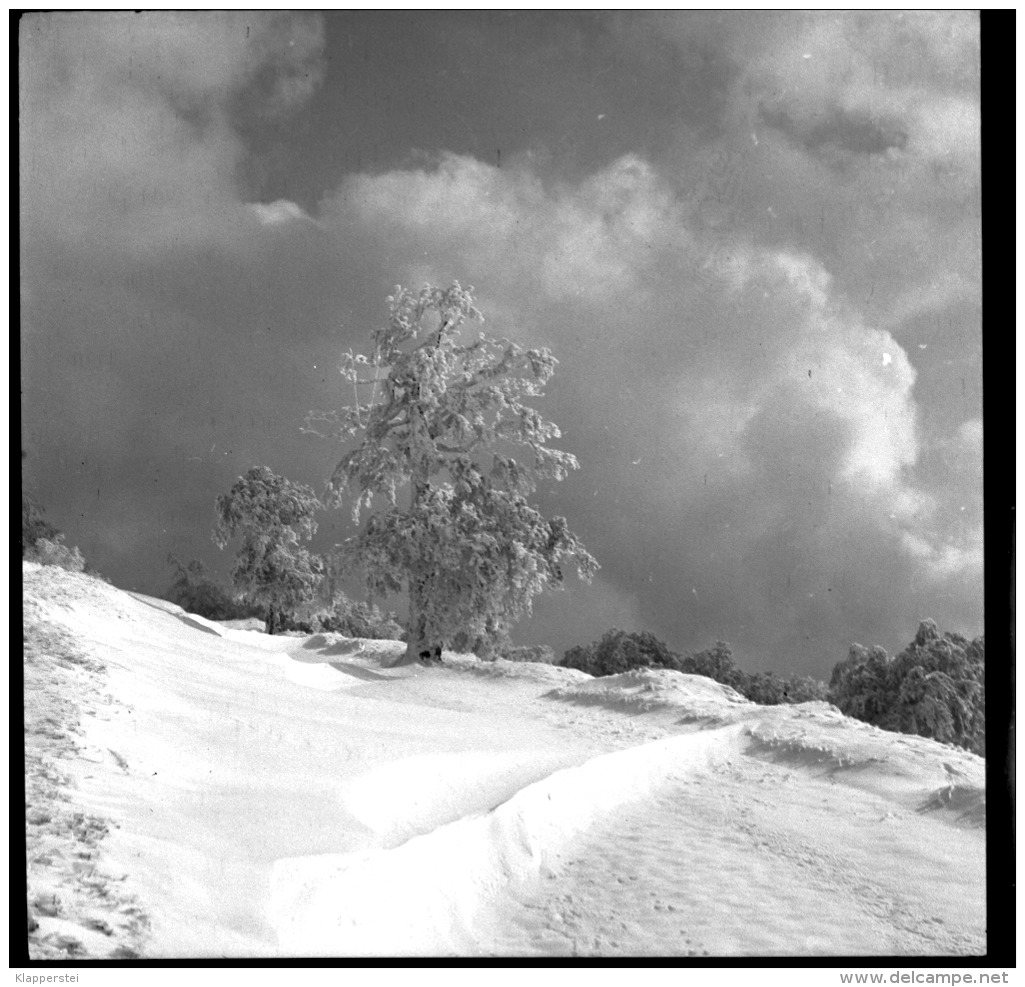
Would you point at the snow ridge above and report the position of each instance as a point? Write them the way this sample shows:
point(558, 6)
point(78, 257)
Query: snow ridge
point(435, 887)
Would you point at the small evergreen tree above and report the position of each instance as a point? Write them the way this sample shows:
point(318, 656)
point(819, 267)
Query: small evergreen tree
point(430, 404)
point(271, 515)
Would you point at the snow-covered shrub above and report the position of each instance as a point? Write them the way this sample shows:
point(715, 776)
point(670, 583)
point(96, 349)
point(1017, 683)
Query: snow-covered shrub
point(53, 551)
point(770, 689)
point(581, 657)
point(195, 592)
point(354, 618)
point(619, 651)
point(804, 689)
point(488, 642)
point(766, 688)
point(34, 526)
point(540, 653)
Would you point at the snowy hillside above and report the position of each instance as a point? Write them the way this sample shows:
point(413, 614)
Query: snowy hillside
point(196, 790)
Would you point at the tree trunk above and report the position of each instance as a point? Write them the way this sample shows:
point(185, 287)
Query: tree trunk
point(418, 648)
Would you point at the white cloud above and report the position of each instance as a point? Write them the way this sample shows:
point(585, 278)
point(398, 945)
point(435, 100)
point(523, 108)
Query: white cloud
point(278, 213)
point(780, 386)
point(587, 241)
point(969, 436)
point(603, 230)
point(947, 127)
point(867, 146)
point(943, 561)
point(823, 361)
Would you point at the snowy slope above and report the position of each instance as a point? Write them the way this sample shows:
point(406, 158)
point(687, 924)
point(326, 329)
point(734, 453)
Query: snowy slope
point(202, 791)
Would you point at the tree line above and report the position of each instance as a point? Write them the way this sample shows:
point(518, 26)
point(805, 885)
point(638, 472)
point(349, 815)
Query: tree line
point(935, 687)
point(620, 651)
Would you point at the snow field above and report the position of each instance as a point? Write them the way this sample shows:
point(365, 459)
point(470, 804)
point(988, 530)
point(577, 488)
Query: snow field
point(201, 791)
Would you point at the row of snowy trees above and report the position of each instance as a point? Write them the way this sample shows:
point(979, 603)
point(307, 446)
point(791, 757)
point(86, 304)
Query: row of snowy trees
point(934, 688)
point(619, 651)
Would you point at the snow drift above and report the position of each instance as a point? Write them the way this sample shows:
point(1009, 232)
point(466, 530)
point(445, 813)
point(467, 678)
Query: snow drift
point(434, 886)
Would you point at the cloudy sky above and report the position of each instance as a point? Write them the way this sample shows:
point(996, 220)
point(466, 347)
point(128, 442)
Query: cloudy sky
point(751, 239)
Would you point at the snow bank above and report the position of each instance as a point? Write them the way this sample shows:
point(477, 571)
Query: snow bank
point(428, 893)
point(535, 671)
point(913, 772)
point(329, 647)
point(244, 624)
point(202, 624)
point(645, 689)
point(62, 595)
point(414, 795)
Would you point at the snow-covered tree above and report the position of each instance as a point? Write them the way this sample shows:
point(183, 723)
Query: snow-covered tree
point(940, 681)
point(715, 662)
point(442, 409)
point(766, 688)
point(935, 687)
point(860, 684)
point(270, 514)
